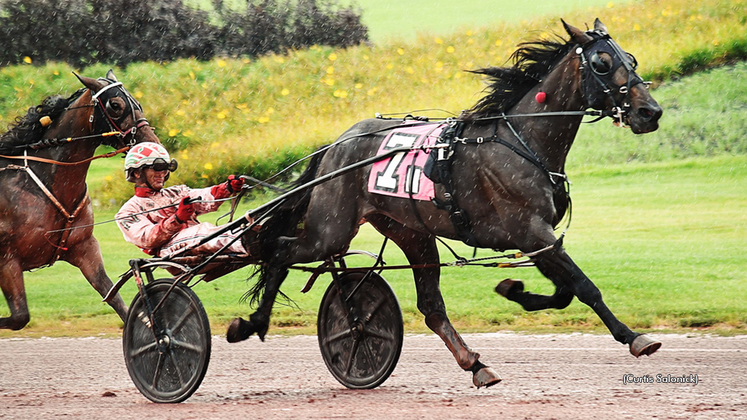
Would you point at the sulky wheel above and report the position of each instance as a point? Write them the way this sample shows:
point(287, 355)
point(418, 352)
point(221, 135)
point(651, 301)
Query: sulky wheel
point(360, 350)
point(167, 364)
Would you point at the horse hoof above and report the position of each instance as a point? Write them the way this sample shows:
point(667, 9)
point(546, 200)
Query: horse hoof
point(643, 346)
point(238, 330)
point(508, 287)
point(486, 377)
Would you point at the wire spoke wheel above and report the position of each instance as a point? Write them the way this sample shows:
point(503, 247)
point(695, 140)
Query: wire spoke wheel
point(167, 364)
point(360, 350)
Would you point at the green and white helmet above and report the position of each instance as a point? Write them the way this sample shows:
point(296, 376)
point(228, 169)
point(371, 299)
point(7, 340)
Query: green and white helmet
point(147, 154)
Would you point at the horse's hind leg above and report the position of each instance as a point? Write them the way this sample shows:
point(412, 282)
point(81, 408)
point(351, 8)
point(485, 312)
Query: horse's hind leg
point(420, 248)
point(560, 268)
point(331, 222)
point(11, 283)
point(87, 257)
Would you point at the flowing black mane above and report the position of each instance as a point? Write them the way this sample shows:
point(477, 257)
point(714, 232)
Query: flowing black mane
point(27, 129)
point(507, 85)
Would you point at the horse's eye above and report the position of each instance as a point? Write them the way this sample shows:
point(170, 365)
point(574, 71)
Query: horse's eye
point(114, 107)
point(599, 65)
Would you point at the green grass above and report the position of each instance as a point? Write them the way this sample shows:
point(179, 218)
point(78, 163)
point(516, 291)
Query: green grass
point(663, 242)
point(396, 20)
point(255, 116)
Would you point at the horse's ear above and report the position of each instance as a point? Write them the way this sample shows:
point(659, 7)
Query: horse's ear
point(577, 35)
point(92, 84)
point(110, 75)
point(599, 26)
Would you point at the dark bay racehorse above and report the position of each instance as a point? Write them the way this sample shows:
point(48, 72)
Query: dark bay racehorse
point(507, 175)
point(45, 211)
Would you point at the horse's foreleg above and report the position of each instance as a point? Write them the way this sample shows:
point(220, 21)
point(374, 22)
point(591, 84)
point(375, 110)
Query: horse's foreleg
point(560, 268)
point(421, 248)
point(513, 290)
point(11, 283)
point(87, 257)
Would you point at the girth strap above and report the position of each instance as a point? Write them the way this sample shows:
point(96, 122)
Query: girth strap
point(438, 169)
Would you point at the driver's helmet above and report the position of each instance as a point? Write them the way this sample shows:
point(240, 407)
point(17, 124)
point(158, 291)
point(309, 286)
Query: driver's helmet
point(147, 154)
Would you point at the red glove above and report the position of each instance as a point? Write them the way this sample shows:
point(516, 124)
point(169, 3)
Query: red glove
point(185, 211)
point(234, 183)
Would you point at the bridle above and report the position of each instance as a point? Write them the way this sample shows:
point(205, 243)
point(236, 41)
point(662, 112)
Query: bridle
point(103, 105)
point(105, 108)
point(596, 75)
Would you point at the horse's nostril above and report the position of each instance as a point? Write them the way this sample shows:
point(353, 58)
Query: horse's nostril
point(649, 114)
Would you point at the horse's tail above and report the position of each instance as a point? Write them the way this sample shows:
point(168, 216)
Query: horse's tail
point(282, 222)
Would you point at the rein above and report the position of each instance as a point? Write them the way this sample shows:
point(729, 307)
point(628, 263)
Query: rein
point(57, 162)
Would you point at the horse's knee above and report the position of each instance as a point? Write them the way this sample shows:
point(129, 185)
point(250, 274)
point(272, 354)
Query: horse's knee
point(588, 293)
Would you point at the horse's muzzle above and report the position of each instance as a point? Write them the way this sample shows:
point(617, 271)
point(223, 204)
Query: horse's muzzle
point(645, 119)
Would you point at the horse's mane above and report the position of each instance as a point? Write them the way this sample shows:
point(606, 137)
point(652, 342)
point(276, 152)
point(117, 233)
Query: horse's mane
point(27, 129)
point(507, 85)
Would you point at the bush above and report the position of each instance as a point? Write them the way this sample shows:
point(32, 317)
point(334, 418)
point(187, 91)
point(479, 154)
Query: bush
point(84, 32)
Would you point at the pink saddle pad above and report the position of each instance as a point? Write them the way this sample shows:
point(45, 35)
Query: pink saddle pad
point(402, 174)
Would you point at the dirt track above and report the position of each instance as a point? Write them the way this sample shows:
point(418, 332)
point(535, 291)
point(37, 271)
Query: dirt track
point(544, 377)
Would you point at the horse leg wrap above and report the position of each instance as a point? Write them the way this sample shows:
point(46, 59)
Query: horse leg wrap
point(439, 323)
point(484, 375)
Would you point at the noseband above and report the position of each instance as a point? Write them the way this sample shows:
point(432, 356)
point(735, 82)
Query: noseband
point(596, 75)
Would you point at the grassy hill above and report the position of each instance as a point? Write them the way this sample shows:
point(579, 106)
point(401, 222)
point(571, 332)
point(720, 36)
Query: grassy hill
point(256, 116)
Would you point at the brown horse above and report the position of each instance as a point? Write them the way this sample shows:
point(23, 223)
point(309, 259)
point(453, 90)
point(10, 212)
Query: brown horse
point(501, 168)
point(45, 211)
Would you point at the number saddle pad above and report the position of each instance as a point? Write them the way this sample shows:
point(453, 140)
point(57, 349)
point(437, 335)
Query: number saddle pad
point(402, 174)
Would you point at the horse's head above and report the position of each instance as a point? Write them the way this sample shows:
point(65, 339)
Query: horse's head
point(609, 81)
point(115, 110)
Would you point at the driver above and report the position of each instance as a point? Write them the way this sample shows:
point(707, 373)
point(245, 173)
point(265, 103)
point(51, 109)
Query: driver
point(161, 221)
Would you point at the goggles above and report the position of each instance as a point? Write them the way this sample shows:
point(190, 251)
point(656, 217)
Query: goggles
point(161, 165)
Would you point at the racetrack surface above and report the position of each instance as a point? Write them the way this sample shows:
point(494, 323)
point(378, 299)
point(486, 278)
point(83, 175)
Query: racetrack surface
point(570, 376)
